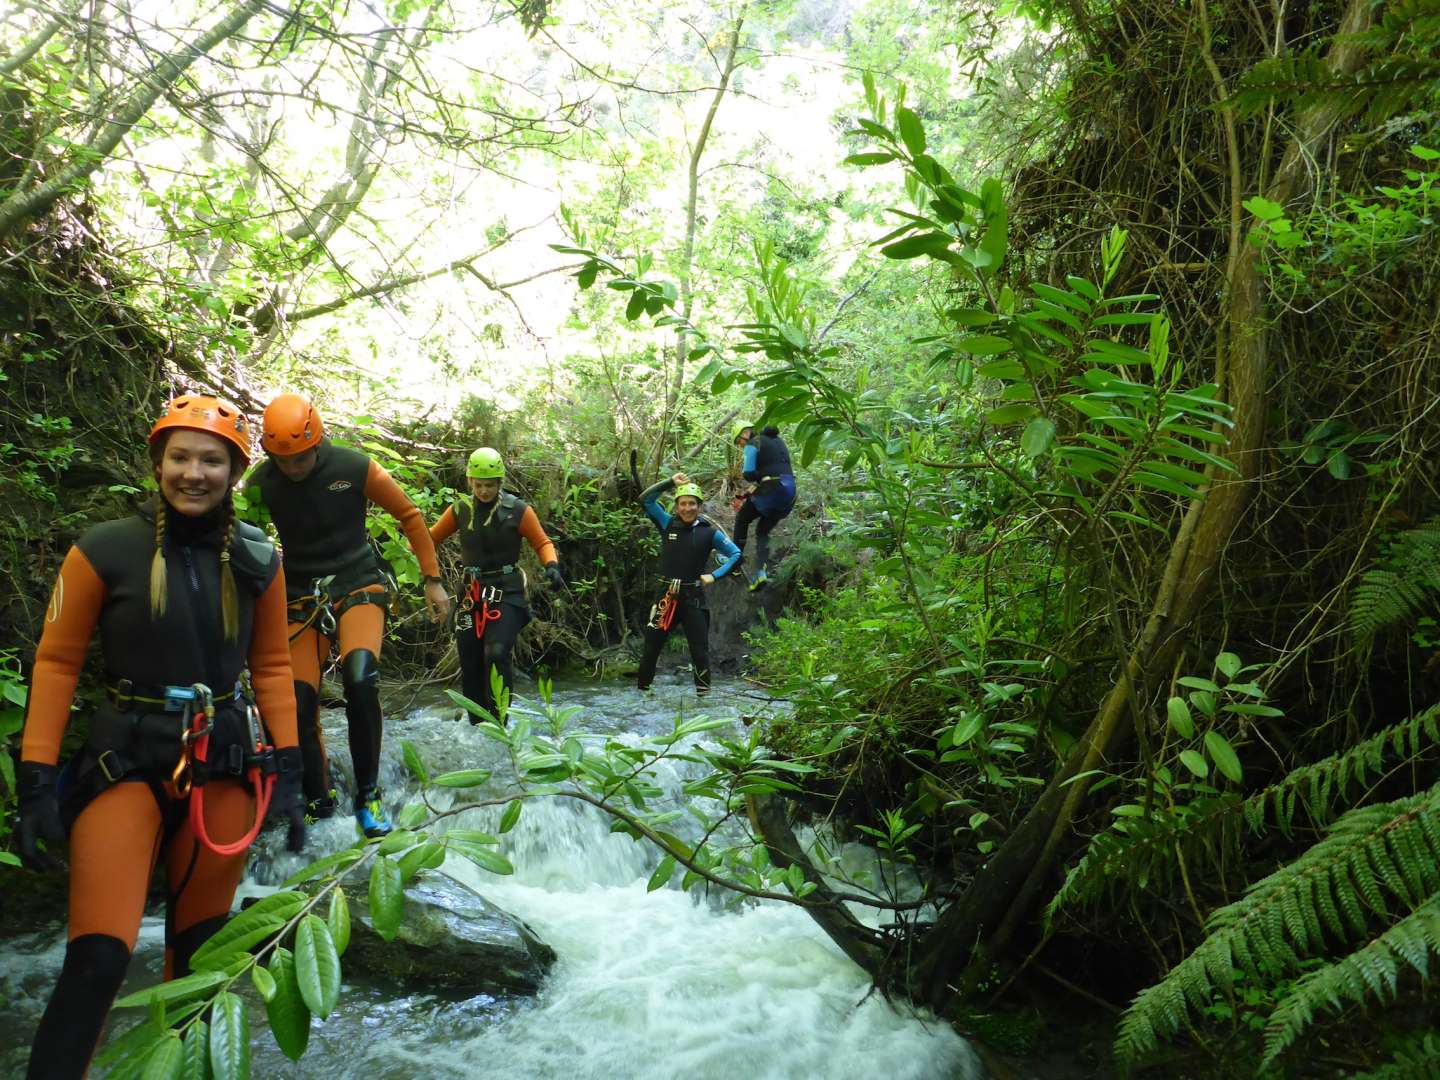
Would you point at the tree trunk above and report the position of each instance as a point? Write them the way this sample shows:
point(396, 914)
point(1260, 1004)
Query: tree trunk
point(980, 925)
point(26, 204)
point(687, 257)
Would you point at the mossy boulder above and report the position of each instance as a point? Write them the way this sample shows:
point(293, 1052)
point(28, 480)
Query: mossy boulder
point(451, 941)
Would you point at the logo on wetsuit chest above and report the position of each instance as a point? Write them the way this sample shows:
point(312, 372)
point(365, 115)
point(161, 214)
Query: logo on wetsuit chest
point(672, 536)
point(340, 485)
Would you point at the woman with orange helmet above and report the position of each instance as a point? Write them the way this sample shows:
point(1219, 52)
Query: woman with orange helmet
point(317, 494)
point(177, 763)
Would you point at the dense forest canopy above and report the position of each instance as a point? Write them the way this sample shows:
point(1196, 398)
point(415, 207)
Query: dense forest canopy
point(1102, 335)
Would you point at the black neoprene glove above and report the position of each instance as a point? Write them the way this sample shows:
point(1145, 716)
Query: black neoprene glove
point(39, 816)
point(288, 798)
point(553, 577)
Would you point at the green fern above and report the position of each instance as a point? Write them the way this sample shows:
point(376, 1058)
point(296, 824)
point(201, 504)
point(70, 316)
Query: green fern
point(1374, 859)
point(1145, 851)
point(1418, 1059)
point(1404, 584)
point(1404, 72)
point(1372, 971)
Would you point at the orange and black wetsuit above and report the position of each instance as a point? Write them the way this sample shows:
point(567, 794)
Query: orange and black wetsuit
point(135, 815)
point(321, 523)
point(492, 608)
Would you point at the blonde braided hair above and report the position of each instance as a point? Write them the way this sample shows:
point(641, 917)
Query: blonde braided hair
point(159, 591)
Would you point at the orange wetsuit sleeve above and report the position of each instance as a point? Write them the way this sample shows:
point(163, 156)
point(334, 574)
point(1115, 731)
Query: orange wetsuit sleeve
point(70, 621)
point(445, 527)
point(532, 531)
point(381, 489)
point(270, 663)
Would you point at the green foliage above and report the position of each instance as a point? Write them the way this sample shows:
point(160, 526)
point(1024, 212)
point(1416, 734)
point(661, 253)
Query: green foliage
point(1401, 72)
point(1144, 850)
point(1377, 864)
point(1403, 585)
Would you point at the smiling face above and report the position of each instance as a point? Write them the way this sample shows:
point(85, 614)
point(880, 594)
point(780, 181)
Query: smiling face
point(194, 471)
point(687, 509)
point(296, 467)
point(485, 490)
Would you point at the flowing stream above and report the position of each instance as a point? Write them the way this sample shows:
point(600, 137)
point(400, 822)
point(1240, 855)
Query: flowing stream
point(647, 985)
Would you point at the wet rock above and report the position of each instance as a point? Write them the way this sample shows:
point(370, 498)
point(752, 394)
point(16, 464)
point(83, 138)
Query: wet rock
point(452, 941)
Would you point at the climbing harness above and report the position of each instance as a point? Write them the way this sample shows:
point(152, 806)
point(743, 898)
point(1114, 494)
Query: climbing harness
point(662, 612)
point(484, 605)
point(257, 759)
point(320, 613)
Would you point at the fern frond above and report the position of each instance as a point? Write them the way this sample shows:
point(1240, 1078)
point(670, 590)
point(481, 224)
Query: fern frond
point(1372, 971)
point(1404, 44)
point(1419, 1060)
point(1405, 583)
point(1148, 850)
point(1357, 867)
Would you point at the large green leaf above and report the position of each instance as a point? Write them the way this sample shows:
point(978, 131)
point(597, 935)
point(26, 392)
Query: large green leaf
point(662, 874)
point(250, 927)
point(413, 761)
point(912, 132)
point(197, 1051)
point(339, 921)
point(229, 1038)
point(486, 858)
point(287, 1012)
point(174, 990)
point(166, 1061)
point(317, 966)
point(337, 861)
point(387, 897)
point(462, 779)
point(429, 854)
point(511, 815)
point(1037, 437)
point(1224, 756)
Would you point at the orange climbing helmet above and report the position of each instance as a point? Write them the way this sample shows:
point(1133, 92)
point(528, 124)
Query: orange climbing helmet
point(291, 426)
point(212, 415)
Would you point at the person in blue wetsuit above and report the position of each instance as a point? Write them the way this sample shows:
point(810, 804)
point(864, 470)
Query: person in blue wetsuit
point(687, 541)
point(766, 464)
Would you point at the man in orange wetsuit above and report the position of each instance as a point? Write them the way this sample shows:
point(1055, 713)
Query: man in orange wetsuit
point(493, 608)
point(317, 494)
point(182, 594)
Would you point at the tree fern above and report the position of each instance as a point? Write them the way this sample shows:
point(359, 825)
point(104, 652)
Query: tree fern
point(1144, 852)
point(1419, 1059)
point(1404, 71)
point(1373, 860)
point(1408, 579)
point(1372, 971)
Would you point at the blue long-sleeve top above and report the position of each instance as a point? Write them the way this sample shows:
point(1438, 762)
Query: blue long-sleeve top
point(752, 459)
point(719, 542)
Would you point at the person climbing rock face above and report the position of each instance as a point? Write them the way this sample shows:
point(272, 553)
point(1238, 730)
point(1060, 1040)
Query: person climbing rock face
point(765, 463)
point(317, 494)
point(185, 598)
point(492, 606)
point(687, 542)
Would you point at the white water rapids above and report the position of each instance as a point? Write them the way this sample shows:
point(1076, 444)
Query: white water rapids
point(647, 986)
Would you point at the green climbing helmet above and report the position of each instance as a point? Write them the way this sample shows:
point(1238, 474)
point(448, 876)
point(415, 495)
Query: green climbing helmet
point(693, 490)
point(741, 426)
point(485, 464)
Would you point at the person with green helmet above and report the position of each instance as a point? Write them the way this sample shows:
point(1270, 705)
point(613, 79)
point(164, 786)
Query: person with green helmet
point(687, 542)
point(492, 608)
point(766, 464)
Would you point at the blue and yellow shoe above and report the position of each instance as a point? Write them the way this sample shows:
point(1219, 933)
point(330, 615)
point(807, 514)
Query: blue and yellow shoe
point(370, 814)
point(757, 582)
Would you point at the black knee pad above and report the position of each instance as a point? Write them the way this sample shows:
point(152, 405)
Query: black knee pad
point(70, 1029)
point(96, 956)
point(360, 670)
